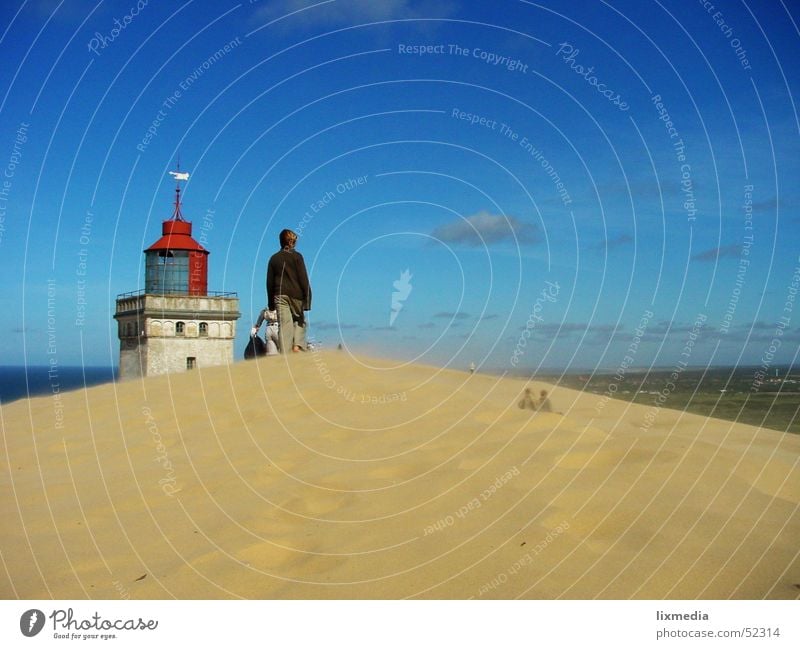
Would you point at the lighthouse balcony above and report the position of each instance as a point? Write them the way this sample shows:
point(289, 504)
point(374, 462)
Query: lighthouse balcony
point(217, 304)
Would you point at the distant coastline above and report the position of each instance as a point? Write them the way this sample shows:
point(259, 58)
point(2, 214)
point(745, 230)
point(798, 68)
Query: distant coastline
point(24, 382)
point(730, 393)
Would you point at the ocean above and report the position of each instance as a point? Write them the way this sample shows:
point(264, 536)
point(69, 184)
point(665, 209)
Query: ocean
point(20, 382)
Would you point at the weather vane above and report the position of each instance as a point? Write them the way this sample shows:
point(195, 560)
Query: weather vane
point(178, 175)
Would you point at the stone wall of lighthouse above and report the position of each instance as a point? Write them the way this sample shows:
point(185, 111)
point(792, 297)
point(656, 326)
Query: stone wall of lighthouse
point(163, 334)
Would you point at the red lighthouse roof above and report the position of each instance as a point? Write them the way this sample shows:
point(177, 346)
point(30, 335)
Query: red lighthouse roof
point(176, 235)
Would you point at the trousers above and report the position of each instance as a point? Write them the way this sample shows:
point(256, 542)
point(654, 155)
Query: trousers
point(292, 323)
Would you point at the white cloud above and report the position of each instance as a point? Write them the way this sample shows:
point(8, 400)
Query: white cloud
point(485, 228)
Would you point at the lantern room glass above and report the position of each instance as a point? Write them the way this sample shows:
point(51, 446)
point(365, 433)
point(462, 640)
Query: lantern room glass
point(166, 271)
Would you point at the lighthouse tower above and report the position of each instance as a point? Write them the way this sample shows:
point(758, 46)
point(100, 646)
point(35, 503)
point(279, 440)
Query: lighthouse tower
point(174, 324)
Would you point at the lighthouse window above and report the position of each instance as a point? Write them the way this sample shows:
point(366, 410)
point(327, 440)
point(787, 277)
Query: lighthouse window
point(179, 328)
point(204, 329)
point(167, 271)
point(191, 362)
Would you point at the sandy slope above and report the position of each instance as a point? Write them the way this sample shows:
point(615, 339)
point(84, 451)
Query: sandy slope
point(275, 482)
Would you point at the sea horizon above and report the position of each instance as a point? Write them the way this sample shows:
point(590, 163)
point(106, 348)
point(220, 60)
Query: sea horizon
point(27, 381)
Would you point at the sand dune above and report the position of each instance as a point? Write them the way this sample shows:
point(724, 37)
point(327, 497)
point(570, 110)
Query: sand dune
point(331, 477)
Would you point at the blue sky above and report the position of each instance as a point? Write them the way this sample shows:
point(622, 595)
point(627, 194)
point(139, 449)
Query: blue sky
point(460, 119)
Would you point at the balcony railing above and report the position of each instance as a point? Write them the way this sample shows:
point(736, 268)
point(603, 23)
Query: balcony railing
point(123, 296)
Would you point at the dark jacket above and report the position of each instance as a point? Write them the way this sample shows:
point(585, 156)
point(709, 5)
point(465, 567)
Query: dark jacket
point(286, 275)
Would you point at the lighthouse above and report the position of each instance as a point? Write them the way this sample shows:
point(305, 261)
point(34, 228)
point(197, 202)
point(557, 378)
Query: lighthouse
point(175, 324)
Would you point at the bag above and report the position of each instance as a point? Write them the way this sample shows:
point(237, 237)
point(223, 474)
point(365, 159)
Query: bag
point(255, 347)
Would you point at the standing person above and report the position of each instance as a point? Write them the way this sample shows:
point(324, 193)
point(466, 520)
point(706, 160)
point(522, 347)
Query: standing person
point(289, 292)
point(527, 401)
point(271, 331)
point(544, 402)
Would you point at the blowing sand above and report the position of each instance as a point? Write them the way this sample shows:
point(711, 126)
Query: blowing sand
point(331, 477)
